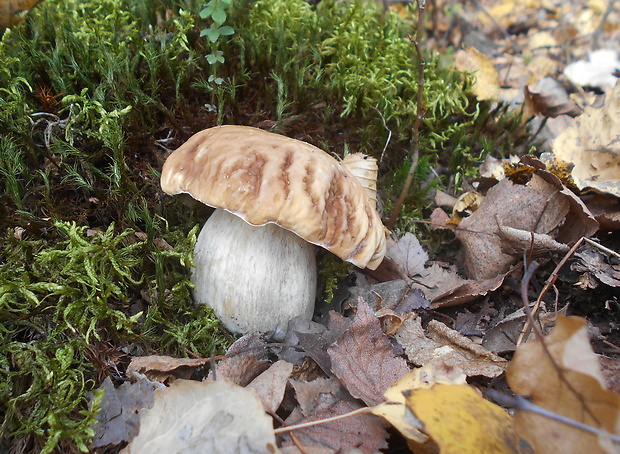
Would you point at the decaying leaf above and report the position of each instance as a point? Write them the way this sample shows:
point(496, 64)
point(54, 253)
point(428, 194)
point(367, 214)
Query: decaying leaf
point(164, 369)
point(451, 347)
point(460, 421)
point(198, 417)
point(579, 393)
point(487, 84)
point(539, 207)
point(245, 359)
point(118, 419)
point(363, 358)
point(592, 145)
point(593, 261)
point(440, 284)
point(270, 385)
point(548, 98)
point(324, 398)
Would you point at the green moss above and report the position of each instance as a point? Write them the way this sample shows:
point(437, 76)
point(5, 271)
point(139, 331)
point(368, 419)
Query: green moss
point(57, 302)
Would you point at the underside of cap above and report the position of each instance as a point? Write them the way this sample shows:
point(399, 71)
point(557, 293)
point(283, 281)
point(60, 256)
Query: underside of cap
point(268, 178)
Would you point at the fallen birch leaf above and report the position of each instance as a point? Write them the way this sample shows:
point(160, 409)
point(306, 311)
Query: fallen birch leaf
point(579, 393)
point(198, 417)
point(245, 359)
point(363, 358)
point(460, 421)
point(395, 409)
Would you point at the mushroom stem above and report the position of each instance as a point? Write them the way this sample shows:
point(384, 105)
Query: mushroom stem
point(256, 278)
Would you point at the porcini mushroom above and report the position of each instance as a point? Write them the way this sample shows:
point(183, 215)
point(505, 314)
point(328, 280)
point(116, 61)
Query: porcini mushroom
point(275, 197)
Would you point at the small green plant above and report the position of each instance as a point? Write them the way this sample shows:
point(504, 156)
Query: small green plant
point(216, 11)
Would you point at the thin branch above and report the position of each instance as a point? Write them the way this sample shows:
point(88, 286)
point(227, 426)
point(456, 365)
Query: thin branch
point(304, 425)
point(519, 403)
point(421, 112)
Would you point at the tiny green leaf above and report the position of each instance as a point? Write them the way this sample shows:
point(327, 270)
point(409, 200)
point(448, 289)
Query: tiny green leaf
point(226, 30)
point(219, 16)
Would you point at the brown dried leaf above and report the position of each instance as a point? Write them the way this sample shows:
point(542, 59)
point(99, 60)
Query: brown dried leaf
point(586, 400)
point(245, 359)
point(270, 385)
point(118, 420)
point(164, 369)
point(448, 345)
point(364, 432)
point(363, 358)
point(198, 417)
point(538, 207)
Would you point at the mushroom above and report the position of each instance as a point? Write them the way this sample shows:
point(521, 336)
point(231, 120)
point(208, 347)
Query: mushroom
point(275, 197)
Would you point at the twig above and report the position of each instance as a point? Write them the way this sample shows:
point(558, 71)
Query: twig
point(519, 403)
point(421, 112)
point(304, 425)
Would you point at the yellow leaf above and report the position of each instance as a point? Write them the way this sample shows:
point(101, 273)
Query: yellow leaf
point(395, 410)
point(580, 395)
point(460, 421)
point(487, 85)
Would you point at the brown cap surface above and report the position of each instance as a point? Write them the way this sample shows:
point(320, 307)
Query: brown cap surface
point(268, 178)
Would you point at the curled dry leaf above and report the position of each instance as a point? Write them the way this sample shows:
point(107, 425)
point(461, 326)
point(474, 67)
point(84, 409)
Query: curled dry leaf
point(573, 388)
point(198, 417)
point(164, 369)
point(452, 348)
point(363, 358)
point(539, 209)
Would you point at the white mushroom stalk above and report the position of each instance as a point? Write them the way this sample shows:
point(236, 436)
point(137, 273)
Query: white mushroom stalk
point(276, 196)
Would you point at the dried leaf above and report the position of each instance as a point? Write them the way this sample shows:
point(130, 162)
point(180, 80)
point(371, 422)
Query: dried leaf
point(270, 385)
point(409, 254)
point(585, 400)
point(198, 417)
point(451, 347)
point(395, 408)
point(592, 145)
point(164, 369)
point(460, 421)
point(118, 419)
point(364, 432)
point(487, 84)
point(363, 358)
point(245, 359)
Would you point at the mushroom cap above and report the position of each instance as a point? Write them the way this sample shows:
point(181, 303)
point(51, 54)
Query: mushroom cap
point(268, 178)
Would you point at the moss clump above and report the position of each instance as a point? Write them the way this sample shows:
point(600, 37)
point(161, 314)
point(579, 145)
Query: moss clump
point(57, 303)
